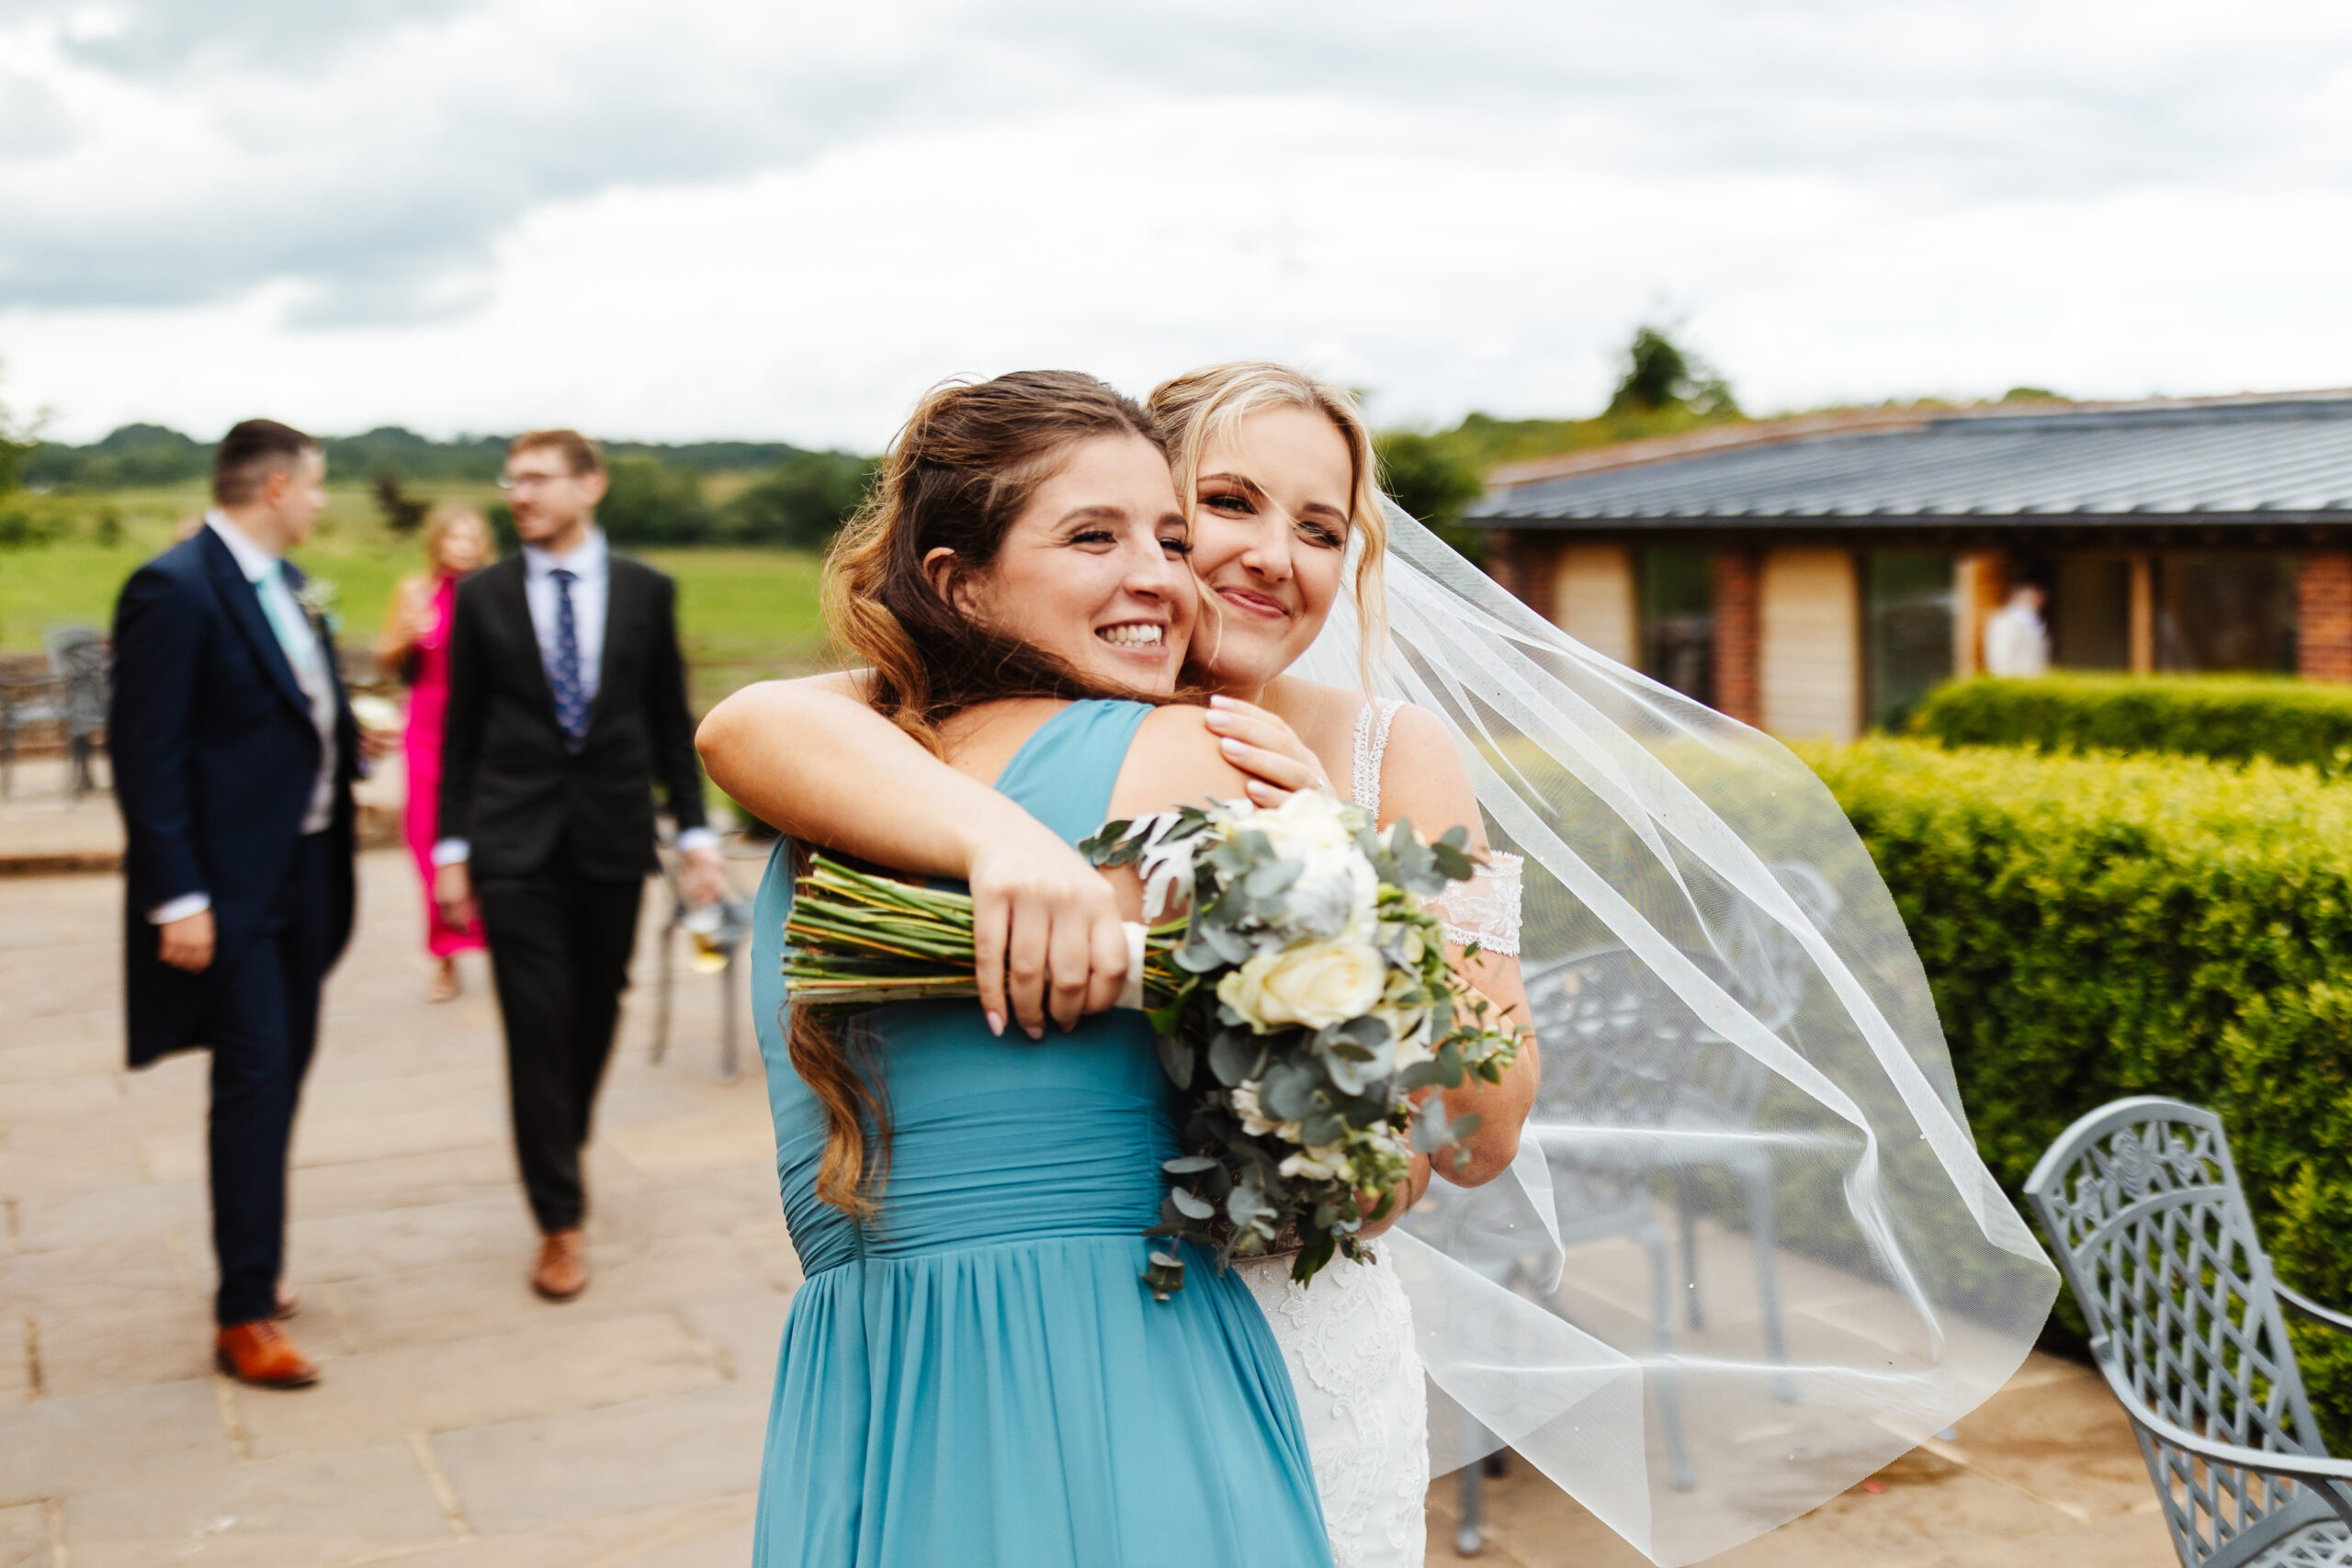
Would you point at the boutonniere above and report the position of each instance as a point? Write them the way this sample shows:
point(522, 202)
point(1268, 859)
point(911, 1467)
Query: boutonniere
point(317, 597)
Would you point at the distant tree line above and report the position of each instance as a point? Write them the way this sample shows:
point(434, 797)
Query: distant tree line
point(656, 495)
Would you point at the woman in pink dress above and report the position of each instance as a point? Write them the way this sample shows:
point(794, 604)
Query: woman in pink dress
point(416, 643)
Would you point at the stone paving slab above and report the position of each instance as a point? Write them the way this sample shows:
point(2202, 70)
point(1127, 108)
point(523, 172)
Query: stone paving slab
point(339, 1504)
point(463, 1423)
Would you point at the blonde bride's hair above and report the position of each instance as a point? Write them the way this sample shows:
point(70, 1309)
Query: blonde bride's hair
point(1212, 403)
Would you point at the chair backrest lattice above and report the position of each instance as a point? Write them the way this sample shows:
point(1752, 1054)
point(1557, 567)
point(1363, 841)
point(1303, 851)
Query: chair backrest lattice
point(79, 659)
point(2143, 1205)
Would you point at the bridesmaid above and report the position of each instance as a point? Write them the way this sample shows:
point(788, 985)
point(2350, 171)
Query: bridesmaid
point(416, 643)
point(974, 1372)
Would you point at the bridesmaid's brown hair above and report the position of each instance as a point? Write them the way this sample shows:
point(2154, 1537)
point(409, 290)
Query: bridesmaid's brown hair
point(962, 469)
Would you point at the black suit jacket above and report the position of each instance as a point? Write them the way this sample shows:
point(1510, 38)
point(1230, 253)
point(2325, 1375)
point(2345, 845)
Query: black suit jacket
point(215, 759)
point(508, 786)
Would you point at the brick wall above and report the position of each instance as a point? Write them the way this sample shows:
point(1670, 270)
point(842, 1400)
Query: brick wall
point(2324, 616)
point(1738, 594)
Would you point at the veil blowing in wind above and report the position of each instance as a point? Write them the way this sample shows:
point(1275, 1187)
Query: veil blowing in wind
point(1748, 1254)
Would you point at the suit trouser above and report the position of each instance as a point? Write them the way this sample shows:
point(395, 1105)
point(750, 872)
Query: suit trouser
point(263, 1023)
point(560, 946)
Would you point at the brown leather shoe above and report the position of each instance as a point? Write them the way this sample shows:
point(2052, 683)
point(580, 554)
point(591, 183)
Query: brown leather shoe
point(259, 1353)
point(562, 1272)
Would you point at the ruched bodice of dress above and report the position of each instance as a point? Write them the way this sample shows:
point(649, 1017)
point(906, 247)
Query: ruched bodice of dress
point(977, 1375)
point(996, 1140)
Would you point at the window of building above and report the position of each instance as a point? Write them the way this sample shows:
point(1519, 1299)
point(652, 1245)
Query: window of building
point(2089, 614)
point(2225, 612)
point(1677, 590)
point(1907, 609)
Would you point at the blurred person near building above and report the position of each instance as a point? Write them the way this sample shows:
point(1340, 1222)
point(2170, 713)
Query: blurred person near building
point(567, 706)
point(235, 748)
point(2017, 642)
point(415, 644)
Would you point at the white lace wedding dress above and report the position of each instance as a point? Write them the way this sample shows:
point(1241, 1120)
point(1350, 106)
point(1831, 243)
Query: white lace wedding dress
point(1348, 1338)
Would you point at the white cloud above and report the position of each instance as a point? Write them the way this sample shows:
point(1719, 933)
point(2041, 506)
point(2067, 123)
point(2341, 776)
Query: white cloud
point(729, 218)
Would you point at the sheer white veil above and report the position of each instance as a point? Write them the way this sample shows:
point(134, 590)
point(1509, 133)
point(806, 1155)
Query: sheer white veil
point(1748, 1254)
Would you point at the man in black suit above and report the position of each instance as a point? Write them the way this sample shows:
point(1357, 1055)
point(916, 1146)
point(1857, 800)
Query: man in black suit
point(234, 755)
point(567, 706)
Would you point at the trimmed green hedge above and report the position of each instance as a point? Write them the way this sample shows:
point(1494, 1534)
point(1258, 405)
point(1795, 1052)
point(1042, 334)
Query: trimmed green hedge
point(2233, 718)
point(2097, 927)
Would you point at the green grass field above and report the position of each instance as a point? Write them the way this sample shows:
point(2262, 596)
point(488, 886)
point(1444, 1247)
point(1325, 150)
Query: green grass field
point(745, 613)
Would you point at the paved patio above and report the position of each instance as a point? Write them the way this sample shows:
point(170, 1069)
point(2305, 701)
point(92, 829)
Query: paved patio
point(463, 1422)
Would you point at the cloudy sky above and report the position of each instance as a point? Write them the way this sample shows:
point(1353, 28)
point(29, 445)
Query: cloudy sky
point(773, 219)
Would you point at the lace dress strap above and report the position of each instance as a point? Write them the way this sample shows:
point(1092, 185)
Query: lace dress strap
point(1372, 720)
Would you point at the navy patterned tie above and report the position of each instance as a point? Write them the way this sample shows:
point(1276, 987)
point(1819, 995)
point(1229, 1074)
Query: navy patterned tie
point(570, 696)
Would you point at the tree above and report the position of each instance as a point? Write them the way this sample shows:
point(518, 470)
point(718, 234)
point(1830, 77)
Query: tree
point(404, 513)
point(1432, 478)
point(1660, 374)
point(801, 501)
point(649, 502)
point(19, 524)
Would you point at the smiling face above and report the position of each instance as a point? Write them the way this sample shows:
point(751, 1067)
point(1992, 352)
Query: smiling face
point(1092, 571)
point(464, 545)
point(1269, 538)
point(551, 500)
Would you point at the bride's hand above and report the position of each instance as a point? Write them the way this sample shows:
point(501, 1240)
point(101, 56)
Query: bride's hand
point(1267, 749)
point(1047, 934)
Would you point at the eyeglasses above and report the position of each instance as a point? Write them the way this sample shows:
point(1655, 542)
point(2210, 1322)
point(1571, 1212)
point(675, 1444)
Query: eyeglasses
point(530, 481)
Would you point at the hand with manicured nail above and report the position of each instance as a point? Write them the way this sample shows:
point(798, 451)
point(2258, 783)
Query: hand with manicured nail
point(1046, 932)
point(1266, 747)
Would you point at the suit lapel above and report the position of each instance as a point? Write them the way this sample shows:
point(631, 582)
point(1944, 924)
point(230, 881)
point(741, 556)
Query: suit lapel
point(346, 727)
point(243, 602)
point(621, 605)
point(507, 577)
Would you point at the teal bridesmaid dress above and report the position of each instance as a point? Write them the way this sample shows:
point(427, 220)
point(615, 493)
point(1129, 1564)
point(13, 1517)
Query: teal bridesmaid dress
point(978, 1376)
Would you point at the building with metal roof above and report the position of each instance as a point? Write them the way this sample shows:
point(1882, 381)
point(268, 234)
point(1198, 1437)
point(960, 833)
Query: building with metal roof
point(1818, 575)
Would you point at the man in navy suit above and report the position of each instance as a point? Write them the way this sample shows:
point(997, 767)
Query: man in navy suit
point(233, 751)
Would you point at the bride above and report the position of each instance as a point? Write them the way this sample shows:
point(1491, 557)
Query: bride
point(1727, 999)
point(972, 1373)
point(1280, 474)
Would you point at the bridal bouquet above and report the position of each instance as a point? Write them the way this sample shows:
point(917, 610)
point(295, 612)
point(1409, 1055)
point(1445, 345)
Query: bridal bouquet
point(1302, 1002)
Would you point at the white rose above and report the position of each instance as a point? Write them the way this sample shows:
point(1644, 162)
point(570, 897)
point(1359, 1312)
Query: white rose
point(1254, 1120)
point(1337, 889)
point(1310, 818)
point(1325, 1164)
point(1408, 1040)
point(1315, 984)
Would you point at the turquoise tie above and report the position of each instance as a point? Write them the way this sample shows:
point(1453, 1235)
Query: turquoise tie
point(293, 633)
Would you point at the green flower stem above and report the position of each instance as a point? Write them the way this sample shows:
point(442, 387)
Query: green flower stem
point(857, 939)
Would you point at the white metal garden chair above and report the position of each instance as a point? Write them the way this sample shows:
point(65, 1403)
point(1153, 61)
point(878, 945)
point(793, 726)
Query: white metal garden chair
point(2153, 1234)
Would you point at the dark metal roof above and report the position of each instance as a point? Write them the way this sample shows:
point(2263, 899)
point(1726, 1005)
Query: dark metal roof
point(2274, 459)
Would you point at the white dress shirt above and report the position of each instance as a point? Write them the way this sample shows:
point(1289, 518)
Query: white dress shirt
point(591, 567)
point(261, 567)
point(2015, 642)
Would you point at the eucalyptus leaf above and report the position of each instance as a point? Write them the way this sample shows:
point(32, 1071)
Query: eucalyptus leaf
point(1448, 858)
point(1234, 1056)
point(1177, 1058)
point(1189, 1165)
point(1272, 877)
point(1288, 1092)
point(1192, 1208)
